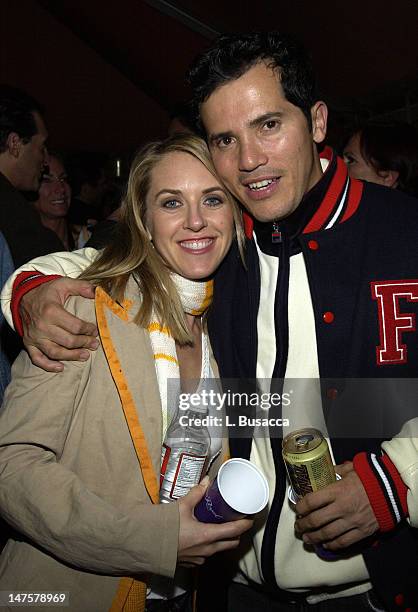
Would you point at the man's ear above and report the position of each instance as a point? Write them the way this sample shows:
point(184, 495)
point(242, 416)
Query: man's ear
point(14, 144)
point(389, 178)
point(319, 115)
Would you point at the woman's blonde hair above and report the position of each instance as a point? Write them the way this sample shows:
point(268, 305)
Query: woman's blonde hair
point(131, 251)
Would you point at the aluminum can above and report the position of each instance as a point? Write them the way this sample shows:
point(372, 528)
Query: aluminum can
point(308, 461)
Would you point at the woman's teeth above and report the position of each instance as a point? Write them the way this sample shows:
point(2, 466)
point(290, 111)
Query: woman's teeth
point(196, 245)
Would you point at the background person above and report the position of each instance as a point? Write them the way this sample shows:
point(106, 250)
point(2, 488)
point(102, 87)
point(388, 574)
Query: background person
point(23, 156)
point(386, 154)
point(53, 200)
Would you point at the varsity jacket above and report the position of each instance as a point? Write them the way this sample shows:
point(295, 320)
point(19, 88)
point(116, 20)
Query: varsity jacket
point(359, 244)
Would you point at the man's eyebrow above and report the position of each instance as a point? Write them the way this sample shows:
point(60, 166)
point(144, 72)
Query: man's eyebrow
point(265, 117)
point(253, 123)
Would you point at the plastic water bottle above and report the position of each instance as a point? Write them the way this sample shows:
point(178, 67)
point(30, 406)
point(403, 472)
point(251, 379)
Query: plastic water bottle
point(184, 454)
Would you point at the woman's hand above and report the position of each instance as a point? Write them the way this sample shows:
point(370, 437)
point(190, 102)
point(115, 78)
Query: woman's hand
point(197, 541)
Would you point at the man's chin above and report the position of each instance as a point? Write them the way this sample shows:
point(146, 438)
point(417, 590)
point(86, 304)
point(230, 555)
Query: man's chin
point(270, 211)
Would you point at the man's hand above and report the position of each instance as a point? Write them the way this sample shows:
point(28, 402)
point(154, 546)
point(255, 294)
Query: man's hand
point(197, 541)
point(50, 332)
point(338, 515)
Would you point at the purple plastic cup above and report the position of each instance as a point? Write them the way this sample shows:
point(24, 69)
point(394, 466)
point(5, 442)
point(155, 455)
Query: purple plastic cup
point(238, 490)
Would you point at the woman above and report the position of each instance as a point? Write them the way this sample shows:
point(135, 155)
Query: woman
point(54, 197)
point(386, 154)
point(80, 450)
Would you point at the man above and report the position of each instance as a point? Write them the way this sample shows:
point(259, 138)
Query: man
point(23, 154)
point(329, 263)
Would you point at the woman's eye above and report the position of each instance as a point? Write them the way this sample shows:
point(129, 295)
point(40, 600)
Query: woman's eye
point(349, 159)
point(171, 204)
point(213, 201)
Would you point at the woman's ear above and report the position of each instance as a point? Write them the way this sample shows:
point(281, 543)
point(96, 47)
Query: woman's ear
point(148, 233)
point(389, 178)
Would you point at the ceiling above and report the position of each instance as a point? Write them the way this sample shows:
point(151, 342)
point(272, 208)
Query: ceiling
point(109, 73)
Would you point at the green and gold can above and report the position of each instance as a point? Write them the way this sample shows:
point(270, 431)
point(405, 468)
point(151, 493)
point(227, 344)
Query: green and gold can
point(308, 461)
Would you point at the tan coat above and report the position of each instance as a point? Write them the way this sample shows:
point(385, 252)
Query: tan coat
point(79, 468)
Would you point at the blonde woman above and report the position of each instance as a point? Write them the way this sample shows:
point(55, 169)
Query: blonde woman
point(80, 449)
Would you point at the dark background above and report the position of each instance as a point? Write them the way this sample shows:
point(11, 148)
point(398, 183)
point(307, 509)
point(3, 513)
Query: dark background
point(108, 73)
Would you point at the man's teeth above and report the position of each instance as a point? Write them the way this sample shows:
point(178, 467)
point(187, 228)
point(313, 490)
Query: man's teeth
point(195, 245)
point(260, 184)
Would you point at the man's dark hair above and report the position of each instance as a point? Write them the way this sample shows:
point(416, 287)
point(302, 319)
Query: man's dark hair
point(392, 146)
point(234, 54)
point(16, 115)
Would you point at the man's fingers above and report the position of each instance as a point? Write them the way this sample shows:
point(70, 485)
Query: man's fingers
point(40, 360)
point(64, 287)
point(55, 335)
point(56, 315)
point(314, 501)
point(55, 352)
point(346, 539)
point(328, 532)
point(344, 468)
point(317, 519)
point(83, 288)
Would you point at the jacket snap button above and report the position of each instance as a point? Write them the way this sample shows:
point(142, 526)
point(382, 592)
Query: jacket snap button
point(328, 316)
point(313, 245)
point(332, 393)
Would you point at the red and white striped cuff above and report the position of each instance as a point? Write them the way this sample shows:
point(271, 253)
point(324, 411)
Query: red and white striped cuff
point(24, 282)
point(385, 489)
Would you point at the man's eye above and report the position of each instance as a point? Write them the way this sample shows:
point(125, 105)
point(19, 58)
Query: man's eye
point(271, 124)
point(225, 141)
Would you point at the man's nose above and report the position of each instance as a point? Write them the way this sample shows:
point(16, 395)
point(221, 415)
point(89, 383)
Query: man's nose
point(251, 155)
point(59, 186)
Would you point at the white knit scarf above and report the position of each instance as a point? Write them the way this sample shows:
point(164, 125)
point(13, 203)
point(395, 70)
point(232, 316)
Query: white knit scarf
point(195, 298)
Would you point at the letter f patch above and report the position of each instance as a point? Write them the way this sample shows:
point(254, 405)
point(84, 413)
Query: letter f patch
point(392, 322)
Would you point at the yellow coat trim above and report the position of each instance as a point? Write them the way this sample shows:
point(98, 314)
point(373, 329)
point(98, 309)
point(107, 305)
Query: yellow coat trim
point(128, 405)
point(131, 594)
